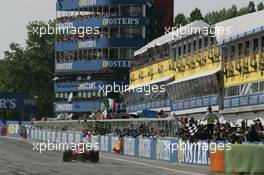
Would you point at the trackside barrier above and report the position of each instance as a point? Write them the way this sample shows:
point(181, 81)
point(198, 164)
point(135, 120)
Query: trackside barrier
point(104, 143)
point(193, 153)
point(44, 135)
point(163, 151)
point(242, 158)
point(130, 146)
point(145, 147)
point(167, 149)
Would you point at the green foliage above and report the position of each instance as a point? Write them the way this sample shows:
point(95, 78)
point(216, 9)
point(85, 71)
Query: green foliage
point(214, 17)
point(195, 15)
point(30, 69)
point(251, 7)
point(180, 20)
point(260, 6)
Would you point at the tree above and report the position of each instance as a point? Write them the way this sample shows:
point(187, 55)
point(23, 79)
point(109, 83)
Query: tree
point(196, 15)
point(232, 12)
point(260, 6)
point(251, 7)
point(30, 69)
point(180, 20)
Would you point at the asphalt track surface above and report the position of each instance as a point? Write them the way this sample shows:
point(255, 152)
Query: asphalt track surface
point(17, 157)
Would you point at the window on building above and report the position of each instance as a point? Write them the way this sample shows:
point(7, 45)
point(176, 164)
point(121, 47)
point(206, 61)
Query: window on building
point(255, 45)
point(113, 53)
point(137, 32)
point(125, 11)
point(179, 51)
point(137, 11)
point(105, 54)
point(84, 94)
point(65, 95)
point(194, 45)
point(247, 47)
point(184, 49)
point(232, 91)
point(98, 94)
point(212, 40)
point(200, 43)
point(174, 52)
point(240, 49)
point(189, 47)
point(233, 51)
point(79, 94)
point(125, 53)
point(254, 87)
point(114, 11)
point(114, 32)
point(262, 41)
point(125, 32)
point(61, 95)
point(57, 95)
point(89, 94)
point(206, 41)
point(261, 86)
point(225, 52)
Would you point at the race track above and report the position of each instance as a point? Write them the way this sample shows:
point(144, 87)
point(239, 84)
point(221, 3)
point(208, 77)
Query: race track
point(17, 157)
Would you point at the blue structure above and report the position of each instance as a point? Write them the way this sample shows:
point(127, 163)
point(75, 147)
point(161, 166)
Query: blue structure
point(95, 47)
point(23, 103)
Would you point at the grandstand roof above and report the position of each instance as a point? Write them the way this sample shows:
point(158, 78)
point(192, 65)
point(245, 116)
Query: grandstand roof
point(176, 35)
point(240, 26)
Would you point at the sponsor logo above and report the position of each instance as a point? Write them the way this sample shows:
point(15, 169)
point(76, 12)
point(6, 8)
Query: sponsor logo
point(13, 128)
point(87, 44)
point(64, 66)
point(84, 3)
point(63, 107)
point(64, 25)
point(87, 86)
point(8, 103)
point(116, 64)
point(120, 21)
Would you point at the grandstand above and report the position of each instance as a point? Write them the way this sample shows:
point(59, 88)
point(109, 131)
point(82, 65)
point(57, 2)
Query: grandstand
point(220, 69)
point(243, 66)
point(86, 62)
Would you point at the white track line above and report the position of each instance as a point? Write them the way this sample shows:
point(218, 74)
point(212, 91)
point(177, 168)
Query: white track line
point(153, 166)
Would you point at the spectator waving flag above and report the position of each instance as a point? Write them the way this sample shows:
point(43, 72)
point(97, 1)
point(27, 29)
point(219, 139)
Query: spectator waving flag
point(192, 128)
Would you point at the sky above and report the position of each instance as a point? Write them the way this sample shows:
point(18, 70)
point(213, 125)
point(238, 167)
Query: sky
point(16, 14)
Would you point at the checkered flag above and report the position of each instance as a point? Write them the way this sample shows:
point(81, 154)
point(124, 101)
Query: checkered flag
point(192, 128)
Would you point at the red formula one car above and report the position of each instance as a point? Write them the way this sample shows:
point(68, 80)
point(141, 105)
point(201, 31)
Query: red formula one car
point(81, 155)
